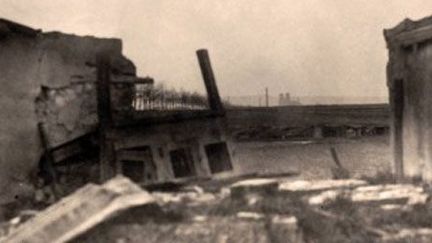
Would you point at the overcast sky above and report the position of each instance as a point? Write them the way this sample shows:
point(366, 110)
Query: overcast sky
point(305, 47)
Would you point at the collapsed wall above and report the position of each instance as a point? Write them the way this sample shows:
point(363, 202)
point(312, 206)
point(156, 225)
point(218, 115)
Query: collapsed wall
point(49, 78)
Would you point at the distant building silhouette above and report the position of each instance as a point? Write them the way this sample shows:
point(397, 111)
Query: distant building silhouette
point(286, 100)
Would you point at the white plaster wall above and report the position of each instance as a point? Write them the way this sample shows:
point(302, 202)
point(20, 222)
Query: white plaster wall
point(417, 113)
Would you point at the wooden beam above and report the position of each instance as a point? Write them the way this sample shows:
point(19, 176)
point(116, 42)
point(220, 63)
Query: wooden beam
point(48, 163)
point(103, 91)
point(214, 100)
point(107, 154)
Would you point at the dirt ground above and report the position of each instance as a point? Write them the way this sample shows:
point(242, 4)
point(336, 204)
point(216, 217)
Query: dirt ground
point(361, 156)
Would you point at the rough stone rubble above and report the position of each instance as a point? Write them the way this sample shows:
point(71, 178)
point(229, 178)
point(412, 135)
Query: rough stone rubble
point(79, 215)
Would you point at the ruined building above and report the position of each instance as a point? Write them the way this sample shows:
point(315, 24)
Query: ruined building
point(165, 141)
point(409, 79)
point(49, 101)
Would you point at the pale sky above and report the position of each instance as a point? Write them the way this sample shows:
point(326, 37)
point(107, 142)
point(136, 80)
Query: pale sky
point(305, 47)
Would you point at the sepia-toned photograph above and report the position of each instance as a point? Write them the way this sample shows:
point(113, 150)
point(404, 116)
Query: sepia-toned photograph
point(215, 121)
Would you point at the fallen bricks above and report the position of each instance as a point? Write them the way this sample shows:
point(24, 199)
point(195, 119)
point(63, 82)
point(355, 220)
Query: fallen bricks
point(80, 211)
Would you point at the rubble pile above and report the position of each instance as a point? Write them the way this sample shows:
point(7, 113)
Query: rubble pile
point(80, 211)
point(252, 210)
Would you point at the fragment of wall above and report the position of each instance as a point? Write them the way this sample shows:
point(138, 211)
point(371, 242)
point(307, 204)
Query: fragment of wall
point(65, 66)
point(417, 122)
point(67, 104)
point(163, 138)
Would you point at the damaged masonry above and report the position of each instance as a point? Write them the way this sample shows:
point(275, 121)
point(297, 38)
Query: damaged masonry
point(80, 95)
point(109, 157)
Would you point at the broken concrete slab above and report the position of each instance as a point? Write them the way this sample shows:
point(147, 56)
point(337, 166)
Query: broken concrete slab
point(251, 186)
point(391, 207)
point(164, 197)
point(324, 197)
point(376, 194)
point(416, 199)
point(395, 193)
point(80, 211)
point(254, 183)
point(193, 188)
point(311, 186)
point(250, 215)
point(191, 198)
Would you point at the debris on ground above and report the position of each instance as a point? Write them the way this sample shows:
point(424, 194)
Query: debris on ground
point(80, 211)
point(308, 186)
point(247, 210)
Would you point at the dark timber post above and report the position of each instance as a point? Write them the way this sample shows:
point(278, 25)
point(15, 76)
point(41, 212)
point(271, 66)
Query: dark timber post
point(47, 165)
point(398, 107)
point(214, 99)
point(107, 154)
point(49, 159)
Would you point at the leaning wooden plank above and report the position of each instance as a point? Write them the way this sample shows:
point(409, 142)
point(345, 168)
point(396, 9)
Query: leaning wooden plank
point(81, 211)
point(214, 99)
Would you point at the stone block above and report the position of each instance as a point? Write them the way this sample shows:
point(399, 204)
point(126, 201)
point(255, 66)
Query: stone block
point(80, 211)
point(375, 194)
point(253, 186)
point(313, 186)
point(250, 215)
point(384, 194)
point(324, 196)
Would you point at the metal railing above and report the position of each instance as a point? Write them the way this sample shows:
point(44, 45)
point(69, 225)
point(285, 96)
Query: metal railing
point(148, 99)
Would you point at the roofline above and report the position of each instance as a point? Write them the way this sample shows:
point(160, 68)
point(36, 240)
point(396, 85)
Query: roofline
point(409, 32)
point(19, 28)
